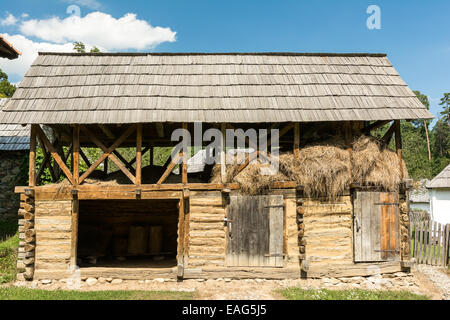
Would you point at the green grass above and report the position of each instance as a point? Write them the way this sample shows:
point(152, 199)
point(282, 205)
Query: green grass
point(13, 293)
point(8, 259)
point(353, 294)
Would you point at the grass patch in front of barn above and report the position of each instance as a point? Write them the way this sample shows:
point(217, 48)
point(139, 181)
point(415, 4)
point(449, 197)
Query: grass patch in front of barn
point(9, 242)
point(352, 294)
point(13, 293)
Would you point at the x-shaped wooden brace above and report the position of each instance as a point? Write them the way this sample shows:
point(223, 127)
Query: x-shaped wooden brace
point(108, 152)
point(42, 137)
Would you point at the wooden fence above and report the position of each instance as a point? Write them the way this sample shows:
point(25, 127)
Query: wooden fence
point(430, 242)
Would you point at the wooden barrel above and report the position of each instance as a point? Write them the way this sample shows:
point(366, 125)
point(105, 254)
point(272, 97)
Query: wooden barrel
point(137, 240)
point(155, 240)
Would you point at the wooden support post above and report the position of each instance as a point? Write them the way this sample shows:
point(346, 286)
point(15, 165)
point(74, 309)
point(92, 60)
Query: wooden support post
point(151, 155)
point(180, 249)
point(74, 237)
point(398, 146)
point(139, 155)
point(388, 135)
point(223, 164)
point(184, 177)
point(297, 140)
point(32, 162)
point(348, 142)
point(76, 154)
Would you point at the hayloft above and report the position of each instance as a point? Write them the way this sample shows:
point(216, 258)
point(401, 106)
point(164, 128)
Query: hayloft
point(337, 206)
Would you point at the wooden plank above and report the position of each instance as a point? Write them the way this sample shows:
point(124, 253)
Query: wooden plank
point(388, 135)
point(439, 241)
point(86, 159)
point(76, 154)
point(357, 235)
point(384, 226)
point(416, 239)
point(181, 239)
point(398, 146)
point(276, 228)
point(54, 154)
point(393, 227)
point(420, 243)
point(139, 154)
point(32, 160)
point(375, 125)
point(432, 244)
point(374, 229)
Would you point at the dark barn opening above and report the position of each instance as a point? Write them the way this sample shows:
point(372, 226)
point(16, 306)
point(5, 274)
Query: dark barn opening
point(127, 233)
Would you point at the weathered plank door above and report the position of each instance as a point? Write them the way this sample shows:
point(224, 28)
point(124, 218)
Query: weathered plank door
point(255, 231)
point(376, 226)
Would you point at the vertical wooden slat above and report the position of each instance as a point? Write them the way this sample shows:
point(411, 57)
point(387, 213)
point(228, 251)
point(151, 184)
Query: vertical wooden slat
point(180, 248)
point(32, 161)
point(384, 227)
point(398, 146)
point(433, 244)
point(276, 230)
point(139, 154)
point(426, 234)
point(76, 154)
point(416, 240)
point(420, 255)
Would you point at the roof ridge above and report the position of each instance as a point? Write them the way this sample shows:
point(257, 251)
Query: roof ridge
point(439, 176)
point(318, 54)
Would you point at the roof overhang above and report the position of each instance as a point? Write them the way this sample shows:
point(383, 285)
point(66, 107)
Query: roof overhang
point(7, 50)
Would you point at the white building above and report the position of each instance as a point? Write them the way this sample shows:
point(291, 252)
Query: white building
point(419, 197)
point(439, 189)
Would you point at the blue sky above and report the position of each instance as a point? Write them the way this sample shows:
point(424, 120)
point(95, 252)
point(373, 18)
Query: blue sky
point(415, 34)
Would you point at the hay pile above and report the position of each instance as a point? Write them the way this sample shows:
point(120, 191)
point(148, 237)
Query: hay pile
point(323, 169)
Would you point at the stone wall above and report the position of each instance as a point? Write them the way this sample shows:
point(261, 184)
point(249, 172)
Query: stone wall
point(10, 166)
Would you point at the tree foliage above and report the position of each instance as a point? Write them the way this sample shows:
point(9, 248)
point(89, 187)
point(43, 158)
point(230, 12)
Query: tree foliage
point(80, 47)
point(6, 88)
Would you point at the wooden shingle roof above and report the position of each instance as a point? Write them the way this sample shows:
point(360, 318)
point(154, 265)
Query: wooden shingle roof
point(442, 180)
point(107, 88)
point(13, 137)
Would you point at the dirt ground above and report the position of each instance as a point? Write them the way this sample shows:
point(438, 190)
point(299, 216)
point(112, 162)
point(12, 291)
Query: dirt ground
point(430, 281)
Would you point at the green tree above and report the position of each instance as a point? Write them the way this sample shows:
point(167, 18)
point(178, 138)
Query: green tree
point(80, 47)
point(445, 101)
point(6, 88)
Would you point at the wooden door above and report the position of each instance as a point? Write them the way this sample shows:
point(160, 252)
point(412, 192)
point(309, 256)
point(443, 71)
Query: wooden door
point(376, 226)
point(255, 231)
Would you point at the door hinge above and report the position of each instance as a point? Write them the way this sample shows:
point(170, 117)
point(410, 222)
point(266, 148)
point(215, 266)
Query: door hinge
point(275, 206)
point(395, 251)
point(387, 204)
point(275, 255)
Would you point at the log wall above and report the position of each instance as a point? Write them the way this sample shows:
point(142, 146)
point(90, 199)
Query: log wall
point(207, 231)
point(53, 225)
point(328, 231)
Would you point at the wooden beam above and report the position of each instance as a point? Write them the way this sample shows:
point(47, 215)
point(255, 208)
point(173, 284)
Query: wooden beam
point(160, 129)
point(388, 135)
point(181, 240)
point(223, 164)
point(348, 142)
point(76, 154)
point(107, 151)
point(139, 154)
point(297, 140)
point(398, 146)
point(85, 158)
point(32, 160)
point(106, 131)
point(54, 154)
point(124, 161)
point(74, 236)
point(375, 125)
point(184, 175)
point(169, 169)
point(42, 167)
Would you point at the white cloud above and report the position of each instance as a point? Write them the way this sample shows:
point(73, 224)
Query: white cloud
point(25, 15)
point(92, 4)
point(29, 51)
point(100, 29)
point(10, 20)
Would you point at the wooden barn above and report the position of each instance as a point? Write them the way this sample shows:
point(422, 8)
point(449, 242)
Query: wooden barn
point(338, 206)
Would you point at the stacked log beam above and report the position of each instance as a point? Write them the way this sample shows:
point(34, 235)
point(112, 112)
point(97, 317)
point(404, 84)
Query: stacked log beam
point(27, 238)
point(301, 233)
